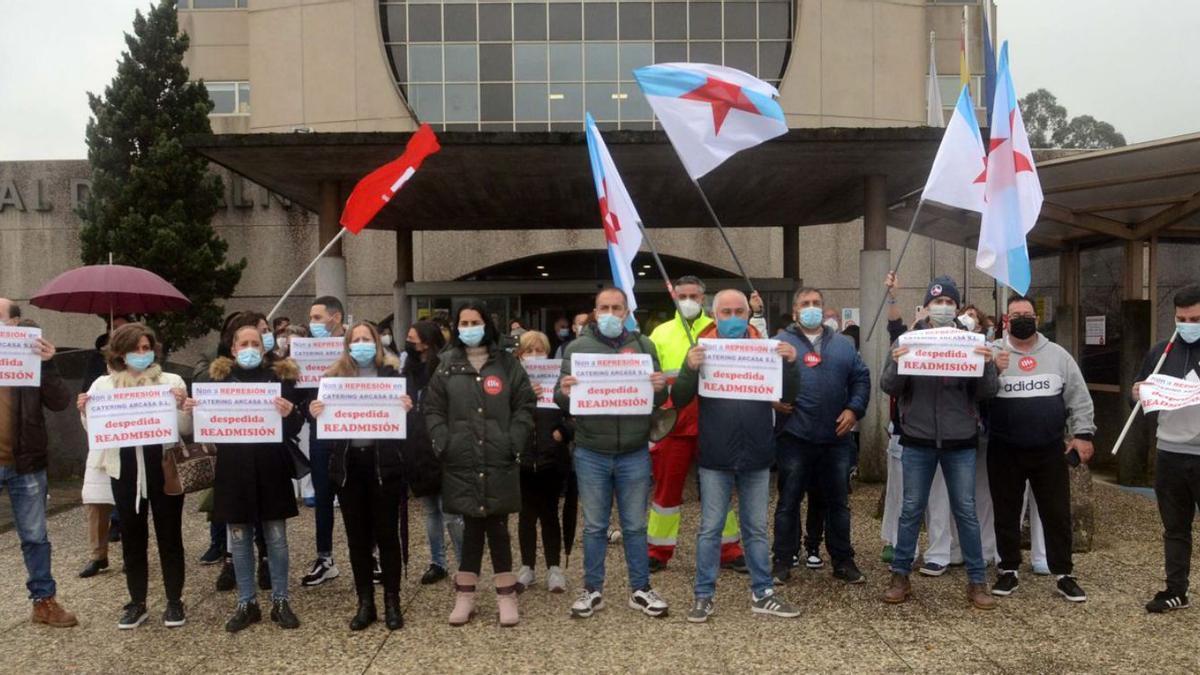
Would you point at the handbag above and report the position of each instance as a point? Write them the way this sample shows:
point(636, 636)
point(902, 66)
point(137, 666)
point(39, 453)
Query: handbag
point(188, 467)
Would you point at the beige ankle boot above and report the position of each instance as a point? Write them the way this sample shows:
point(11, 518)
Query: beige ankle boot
point(464, 598)
point(506, 599)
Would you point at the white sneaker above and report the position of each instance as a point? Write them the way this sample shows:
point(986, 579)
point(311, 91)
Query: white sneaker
point(525, 577)
point(586, 604)
point(614, 536)
point(648, 602)
point(556, 581)
point(323, 570)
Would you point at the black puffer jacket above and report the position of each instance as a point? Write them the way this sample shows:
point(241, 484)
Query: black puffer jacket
point(254, 480)
point(480, 423)
point(543, 452)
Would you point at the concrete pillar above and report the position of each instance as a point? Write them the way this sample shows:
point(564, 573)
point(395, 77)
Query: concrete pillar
point(404, 274)
point(874, 261)
point(1066, 315)
point(331, 269)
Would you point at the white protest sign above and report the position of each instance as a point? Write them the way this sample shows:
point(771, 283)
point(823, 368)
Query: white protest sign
point(362, 408)
point(315, 356)
point(132, 416)
point(750, 370)
point(20, 364)
point(544, 372)
point(1163, 392)
point(236, 412)
point(612, 384)
point(945, 352)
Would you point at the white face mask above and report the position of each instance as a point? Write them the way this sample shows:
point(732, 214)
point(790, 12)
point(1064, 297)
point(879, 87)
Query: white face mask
point(281, 343)
point(689, 308)
point(831, 323)
point(942, 315)
point(386, 340)
point(967, 321)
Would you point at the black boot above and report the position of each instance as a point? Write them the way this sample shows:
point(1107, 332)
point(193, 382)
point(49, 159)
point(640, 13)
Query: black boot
point(366, 613)
point(391, 611)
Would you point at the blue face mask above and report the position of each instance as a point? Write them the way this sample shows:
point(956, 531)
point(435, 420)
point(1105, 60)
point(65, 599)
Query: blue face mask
point(1188, 332)
point(733, 327)
point(610, 325)
point(249, 358)
point(139, 362)
point(318, 330)
point(363, 353)
point(471, 336)
point(268, 341)
point(810, 317)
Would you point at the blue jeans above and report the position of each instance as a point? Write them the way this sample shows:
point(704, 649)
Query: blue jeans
point(599, 476)
point(436, 523)
point(27, 492)
point(754, 492)
point(241, 548)
point(824, 467)
point(958, 467)
point(318, 457)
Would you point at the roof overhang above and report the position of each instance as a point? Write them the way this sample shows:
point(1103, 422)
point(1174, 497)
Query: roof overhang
point(1092, 198)
point(516, 181)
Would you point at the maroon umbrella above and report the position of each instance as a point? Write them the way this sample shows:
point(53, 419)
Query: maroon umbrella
point(110, 289)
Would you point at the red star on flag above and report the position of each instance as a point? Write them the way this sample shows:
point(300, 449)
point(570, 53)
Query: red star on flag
point(723, 96)
point(1021, 162)
point(612, 225)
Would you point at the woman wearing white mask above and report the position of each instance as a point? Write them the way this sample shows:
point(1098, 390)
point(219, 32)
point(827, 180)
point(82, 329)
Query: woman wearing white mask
point(137, 479)
point(479, 411)
point(366, 475)
point(253, 489)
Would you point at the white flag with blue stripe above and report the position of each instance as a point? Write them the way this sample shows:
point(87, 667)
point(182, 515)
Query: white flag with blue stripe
point(710, 112)
point(617, 214)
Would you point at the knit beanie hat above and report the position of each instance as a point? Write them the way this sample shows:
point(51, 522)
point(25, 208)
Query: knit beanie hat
point(943, 287)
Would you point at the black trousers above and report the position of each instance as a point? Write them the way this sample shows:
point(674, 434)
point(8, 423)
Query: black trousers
point(495, 530)
point(1177, 487)
point(167, 511)
point(1049, 476)
point(539, 503)
point(371, 514)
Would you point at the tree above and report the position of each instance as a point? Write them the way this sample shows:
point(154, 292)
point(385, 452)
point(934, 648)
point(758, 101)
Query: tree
point(1043, 117)
point(1088, 132)
point(152, 201)
point(1048, 127)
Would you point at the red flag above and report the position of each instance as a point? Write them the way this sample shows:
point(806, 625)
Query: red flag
point(378, 187)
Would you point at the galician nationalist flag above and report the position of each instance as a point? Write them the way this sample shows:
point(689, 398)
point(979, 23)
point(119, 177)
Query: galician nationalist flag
point(958, 173)
point(1012, 191)
point(710, 112)
point(617, 214)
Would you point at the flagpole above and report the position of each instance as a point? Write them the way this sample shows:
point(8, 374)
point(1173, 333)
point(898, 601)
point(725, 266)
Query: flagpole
point(662, 269)
point(903, 249)
point(1133, 413)
point(721, 229)
point(303, 274)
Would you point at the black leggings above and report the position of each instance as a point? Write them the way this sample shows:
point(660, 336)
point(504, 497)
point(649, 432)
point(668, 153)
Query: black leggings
point(371, 514)
point(495, 529)
point(539, 502)
point(167, 512)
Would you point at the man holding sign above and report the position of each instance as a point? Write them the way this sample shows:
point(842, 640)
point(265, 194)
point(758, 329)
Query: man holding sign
point(612, 455)
point(737, 445)
point(23, 446)
point(939, 425)
point(1177, 469)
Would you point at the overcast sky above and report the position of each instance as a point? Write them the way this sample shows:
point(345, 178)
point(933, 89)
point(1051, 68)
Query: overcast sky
point(1133, 64)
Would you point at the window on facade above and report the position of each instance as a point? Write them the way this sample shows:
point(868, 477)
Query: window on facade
point(211, 4)
point(229, 98)
point(526, 65)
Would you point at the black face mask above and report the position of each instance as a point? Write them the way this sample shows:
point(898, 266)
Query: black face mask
point(1023, 327)
point(411, 349)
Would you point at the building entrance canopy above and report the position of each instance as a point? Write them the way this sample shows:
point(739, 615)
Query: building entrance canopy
point(532, 180)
